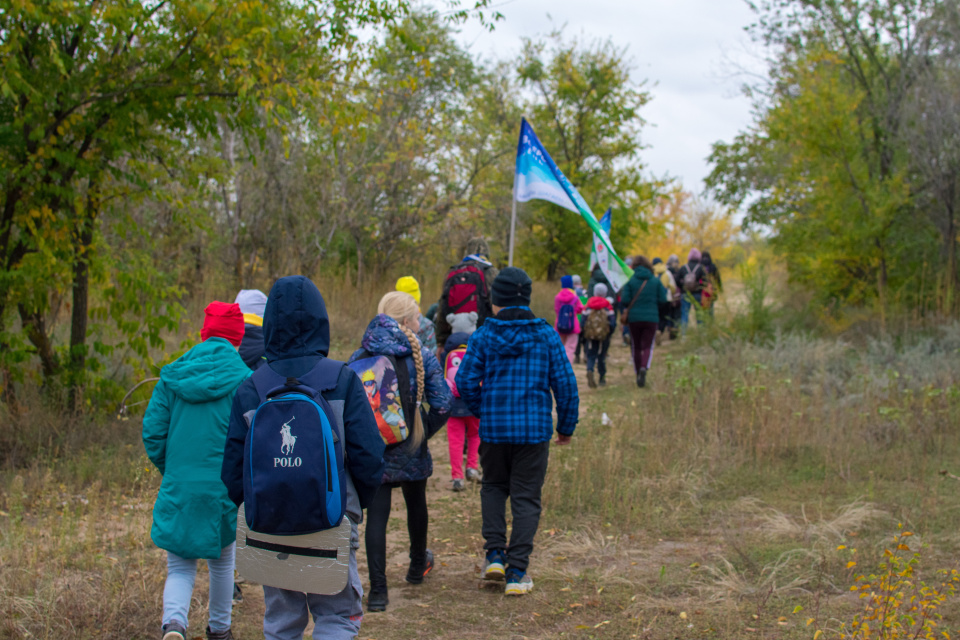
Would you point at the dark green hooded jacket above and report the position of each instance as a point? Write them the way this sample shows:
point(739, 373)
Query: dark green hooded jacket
point(184, 433)
point(647, 307)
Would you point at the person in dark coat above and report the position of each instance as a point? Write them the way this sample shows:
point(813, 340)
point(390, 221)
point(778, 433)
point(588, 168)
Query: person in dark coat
point(641, 299)
point(296, 338)
point(409, 463)
point(252, 304)
point(598, 277)
point(713, 285)
point(476, 254)
point(692, 293)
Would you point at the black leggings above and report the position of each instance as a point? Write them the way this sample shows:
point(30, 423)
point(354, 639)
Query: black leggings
point(375, 537)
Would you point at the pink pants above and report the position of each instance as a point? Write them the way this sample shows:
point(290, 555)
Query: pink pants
point(570, 341)
point(459, 429)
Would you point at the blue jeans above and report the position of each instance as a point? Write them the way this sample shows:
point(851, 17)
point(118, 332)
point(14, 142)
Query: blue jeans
point(335, 617)
point(177, 593)
point(685, 305)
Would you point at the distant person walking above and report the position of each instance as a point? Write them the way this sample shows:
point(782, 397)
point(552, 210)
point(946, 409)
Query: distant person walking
point(567, 306)
point(184, 433)
point(713, 285)
point(642, 296)
point(690, 279)
point(582, 294)
point(393, 333)
point(620, 304)
point(463, 428)
point(252, 303)
point(428, 331)
point(466, 288)
point(667, 309)
point(600, 320)
point(597, 276)
point(513, 371)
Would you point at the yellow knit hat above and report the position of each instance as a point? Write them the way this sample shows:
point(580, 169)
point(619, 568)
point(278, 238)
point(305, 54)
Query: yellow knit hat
point(409, 284)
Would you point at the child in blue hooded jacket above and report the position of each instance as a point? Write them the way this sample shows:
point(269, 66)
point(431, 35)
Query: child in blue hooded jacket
point(296, 333)
point(512, 365)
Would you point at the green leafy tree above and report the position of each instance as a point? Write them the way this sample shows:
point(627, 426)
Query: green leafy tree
point(89, 91)
point(827, 163)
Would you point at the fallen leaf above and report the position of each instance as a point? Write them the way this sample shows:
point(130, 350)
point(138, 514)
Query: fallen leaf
point(683, 615)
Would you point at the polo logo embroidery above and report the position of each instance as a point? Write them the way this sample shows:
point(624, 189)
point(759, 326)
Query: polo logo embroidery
point(289, 440)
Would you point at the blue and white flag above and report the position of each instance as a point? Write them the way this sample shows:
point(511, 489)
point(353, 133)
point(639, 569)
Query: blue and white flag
point(538, 178)
point(600, 256)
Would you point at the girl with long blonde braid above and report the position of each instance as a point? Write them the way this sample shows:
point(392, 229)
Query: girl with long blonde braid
point(408, 464)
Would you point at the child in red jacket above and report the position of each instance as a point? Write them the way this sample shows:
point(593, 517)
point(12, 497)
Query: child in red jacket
point(599, 323)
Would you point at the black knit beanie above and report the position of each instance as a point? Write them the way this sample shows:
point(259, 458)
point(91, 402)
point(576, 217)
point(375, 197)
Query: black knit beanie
point(512, 288)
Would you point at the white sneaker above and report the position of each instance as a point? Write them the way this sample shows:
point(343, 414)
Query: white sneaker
point(473, 475)
point(518, 585)
point(494, 568)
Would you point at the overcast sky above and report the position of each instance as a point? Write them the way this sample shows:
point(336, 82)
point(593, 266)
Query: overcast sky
point(681, 47)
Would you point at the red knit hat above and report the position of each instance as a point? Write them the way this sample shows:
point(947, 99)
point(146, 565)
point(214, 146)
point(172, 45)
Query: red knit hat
point(223, 320)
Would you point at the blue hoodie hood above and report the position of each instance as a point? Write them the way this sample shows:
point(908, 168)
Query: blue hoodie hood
point(295, 324)
point(384, 337)
point(515, 337)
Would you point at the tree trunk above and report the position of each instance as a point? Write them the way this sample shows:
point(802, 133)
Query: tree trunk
point(35, 326)
point(81, 296)
point(6, 379)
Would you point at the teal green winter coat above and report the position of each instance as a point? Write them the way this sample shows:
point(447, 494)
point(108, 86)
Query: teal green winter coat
point(647, 307)
point(184, 433)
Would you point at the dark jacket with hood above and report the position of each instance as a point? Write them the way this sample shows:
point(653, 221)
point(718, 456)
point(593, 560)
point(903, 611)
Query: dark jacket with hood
point(598, 277)
point(384, 337)
point(251, 348)
point(296, 336)
point(519, 360)
point(647, 306)
point(458, 408)
point(693, 265)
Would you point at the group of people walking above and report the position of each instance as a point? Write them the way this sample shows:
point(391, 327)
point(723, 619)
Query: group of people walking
point(655, 301)
point(489, 370)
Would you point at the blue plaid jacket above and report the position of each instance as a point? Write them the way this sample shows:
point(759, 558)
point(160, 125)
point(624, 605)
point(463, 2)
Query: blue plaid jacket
point(519, 363)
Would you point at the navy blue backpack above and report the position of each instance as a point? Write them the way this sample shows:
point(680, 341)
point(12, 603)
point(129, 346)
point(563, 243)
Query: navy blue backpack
point(294, 481)
point(566, 319)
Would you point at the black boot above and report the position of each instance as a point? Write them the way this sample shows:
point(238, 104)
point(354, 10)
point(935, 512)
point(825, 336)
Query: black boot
point(418, 571)
point(642, 378)
point(377, 600)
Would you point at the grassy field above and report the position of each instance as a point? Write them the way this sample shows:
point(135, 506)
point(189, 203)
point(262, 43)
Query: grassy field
point(709, 505)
